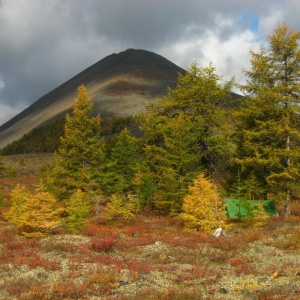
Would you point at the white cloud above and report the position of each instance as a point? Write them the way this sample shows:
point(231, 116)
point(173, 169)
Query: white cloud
point(228, 56)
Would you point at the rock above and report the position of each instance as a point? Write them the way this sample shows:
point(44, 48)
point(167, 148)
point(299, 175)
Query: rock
point(223, 290)
point(145, 276)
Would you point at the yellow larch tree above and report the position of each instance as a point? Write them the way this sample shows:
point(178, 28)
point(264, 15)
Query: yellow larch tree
point(19, 196)
point(34, 215)
point(203, 209)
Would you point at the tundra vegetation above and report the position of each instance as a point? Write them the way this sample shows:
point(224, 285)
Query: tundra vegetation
point(132, 218)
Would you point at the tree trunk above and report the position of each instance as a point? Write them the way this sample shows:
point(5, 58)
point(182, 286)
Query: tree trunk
point(287, 210)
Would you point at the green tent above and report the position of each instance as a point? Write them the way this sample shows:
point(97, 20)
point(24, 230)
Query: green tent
point(242, 208)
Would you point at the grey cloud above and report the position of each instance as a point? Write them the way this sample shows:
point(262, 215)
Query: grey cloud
point(44, 43)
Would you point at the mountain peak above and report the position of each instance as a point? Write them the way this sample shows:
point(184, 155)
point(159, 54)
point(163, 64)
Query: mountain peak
point(120, 84)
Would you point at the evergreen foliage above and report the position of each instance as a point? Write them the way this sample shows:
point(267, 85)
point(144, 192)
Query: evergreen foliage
point(267, 134)
point(203, 209)
point(185, 134)
point(45, 138)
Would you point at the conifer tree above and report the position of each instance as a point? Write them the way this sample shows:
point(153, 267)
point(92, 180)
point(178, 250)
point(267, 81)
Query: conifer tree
point(78, 208)
point(259, 216)
point(203, 209)
point(185, 134)
point(19, 196)
point(123, 160)
point(34, 215)
point(81, 150)
point(268, 136)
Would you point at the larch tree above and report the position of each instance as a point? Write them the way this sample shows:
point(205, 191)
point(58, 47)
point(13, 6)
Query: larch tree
point(184, 134)
point(124, 157)
point(81, 150)
point(268, 125)
point(203, 208)
point(34, 214)
point(78, 208)
point(19, 196)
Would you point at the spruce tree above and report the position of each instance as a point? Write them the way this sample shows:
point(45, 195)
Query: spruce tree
point(267, 135)
point(81, 151)
point(184, 134)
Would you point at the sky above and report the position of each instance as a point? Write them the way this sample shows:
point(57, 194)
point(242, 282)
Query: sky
point(43, 43)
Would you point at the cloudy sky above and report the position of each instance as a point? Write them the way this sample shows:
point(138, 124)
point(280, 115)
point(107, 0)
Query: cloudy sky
point(43, 43)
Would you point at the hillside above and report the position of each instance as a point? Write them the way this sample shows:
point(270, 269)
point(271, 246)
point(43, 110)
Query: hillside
point(120, 85)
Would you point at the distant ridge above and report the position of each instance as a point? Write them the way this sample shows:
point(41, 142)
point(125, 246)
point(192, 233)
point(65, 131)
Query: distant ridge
point(120, 85)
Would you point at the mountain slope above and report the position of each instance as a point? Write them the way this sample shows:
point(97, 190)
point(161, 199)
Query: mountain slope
point(119, 85)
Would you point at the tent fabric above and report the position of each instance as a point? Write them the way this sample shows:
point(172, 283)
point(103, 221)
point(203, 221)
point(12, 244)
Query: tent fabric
point(237, 208)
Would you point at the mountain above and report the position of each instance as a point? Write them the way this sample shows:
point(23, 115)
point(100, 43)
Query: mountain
point(120, 85)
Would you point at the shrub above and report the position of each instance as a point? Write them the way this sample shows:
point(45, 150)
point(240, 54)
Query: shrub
point(105, 244)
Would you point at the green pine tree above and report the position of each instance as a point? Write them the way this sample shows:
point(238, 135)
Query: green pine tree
point(267, 135)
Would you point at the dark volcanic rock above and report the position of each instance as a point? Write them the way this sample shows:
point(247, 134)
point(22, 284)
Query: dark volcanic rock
point(119, 85)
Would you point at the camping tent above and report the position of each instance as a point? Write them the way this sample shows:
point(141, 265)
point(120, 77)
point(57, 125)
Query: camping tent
point(237, 208)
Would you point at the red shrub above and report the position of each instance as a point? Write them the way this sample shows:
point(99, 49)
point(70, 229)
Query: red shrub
point(105, 244)
point(138, 267)
point(239, 260)
point(91, 230)
point(70, 290)
point(133, 242)
point(7, 234)
point(245, 269)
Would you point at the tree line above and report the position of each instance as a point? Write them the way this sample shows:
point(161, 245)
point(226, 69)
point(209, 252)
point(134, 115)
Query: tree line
point(194, 140)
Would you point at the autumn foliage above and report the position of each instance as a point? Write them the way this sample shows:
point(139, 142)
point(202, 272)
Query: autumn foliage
point(203, 208)
point(34, 214)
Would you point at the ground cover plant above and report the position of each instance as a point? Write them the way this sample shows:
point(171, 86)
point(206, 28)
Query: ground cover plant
point(151, 257)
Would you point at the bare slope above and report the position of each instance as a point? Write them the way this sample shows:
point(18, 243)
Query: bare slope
point(120, 84)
